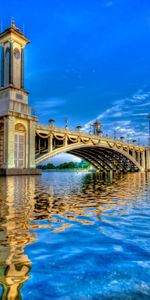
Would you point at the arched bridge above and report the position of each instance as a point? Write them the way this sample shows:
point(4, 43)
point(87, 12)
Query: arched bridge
point(24, 143)
point(101, 152)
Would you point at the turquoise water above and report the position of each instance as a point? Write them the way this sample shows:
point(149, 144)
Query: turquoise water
point(72, 236)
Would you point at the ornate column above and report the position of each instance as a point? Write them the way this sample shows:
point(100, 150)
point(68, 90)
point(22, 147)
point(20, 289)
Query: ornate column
point(50, 143)
point(9, 141)
point(11, 64)
point(22, 68)
point(143, 160)
point(30, 144)
point(65, 141)
point(134, 154)
point(2, 68)
point(147, 159)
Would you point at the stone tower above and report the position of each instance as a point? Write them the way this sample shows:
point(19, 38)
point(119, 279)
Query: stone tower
point(17, 125)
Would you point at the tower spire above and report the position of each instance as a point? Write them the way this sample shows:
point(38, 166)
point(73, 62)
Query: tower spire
point(13, 42)
point(13, 22)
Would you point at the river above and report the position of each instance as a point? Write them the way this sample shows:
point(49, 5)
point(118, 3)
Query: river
point(73, 236)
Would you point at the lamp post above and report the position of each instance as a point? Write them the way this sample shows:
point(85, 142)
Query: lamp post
point(97, 126)
point(149, 130)
point(79, 128)
point(51, 123)
point(114, 134)
point(90, 128)
point(66, 123)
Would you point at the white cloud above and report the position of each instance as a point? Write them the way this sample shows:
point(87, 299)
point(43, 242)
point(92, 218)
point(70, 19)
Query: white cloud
point(127, 107)
point(139, 114)
point(144, 104)
point(63, 157)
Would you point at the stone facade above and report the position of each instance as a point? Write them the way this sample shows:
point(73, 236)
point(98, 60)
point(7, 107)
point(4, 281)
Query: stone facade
point(17, 125)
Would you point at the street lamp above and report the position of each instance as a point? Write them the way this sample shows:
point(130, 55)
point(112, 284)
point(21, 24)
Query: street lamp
point(79, 127)
point(149, 130)
point(114, 134)
point(97, 126)
point(51, 123)
point(66, 123)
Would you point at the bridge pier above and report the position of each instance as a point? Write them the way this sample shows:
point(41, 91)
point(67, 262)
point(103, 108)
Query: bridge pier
point(147, 160)
point(143, 160)
point(18, 147)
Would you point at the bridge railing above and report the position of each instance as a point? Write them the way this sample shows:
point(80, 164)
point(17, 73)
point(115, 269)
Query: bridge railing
point(45, 129)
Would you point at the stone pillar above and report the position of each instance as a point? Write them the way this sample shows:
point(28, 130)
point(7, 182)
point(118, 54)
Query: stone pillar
point(11, 64)
point(31, 144)
point(50, 143)
point(2, 68)
point(22, 68)
point(134, 154)
point(148, 159)
point(65, 141)
point(9, 142)
point(143, 160)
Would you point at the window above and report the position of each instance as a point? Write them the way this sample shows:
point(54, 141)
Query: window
point(20, 150)
point(1, 148)
point(7, 54)
point(17, 53)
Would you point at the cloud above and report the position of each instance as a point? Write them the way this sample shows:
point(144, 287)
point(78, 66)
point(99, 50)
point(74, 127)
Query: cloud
point(144, 104)
point(139, 114)
point(64, 157)
point(134, 108)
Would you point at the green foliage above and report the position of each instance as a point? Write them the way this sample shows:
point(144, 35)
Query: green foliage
point(48, 166)
point(67, 166)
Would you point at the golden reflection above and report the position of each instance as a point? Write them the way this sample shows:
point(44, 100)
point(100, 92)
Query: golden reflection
point(28, 203)
point(16, 206)
point(94, 198)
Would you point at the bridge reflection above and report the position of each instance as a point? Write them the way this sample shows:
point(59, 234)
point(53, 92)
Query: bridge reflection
point(26, 201)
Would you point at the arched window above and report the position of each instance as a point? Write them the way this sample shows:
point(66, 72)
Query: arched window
point(7, 54)
point(7, 66)
point(1, 144)
point(16, 53)
point(20, 136)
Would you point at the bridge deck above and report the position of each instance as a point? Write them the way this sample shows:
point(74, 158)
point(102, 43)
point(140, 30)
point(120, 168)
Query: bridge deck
point(46, 130)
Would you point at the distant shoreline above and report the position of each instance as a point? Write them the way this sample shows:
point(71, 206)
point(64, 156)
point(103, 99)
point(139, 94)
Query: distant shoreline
point(68, 170)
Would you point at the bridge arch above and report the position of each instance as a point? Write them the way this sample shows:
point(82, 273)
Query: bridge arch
point(100, 156)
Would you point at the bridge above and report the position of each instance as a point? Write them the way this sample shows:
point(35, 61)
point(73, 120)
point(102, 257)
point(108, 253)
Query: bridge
point(24, 143)
point(102, 153)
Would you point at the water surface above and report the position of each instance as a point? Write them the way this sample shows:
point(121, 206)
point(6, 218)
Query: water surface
point(72, 236)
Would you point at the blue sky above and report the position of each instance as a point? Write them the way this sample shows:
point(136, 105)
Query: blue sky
point(87, 60)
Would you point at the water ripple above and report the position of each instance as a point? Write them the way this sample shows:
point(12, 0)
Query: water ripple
point(72, 236)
